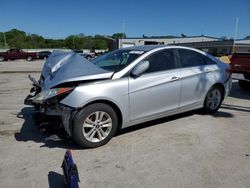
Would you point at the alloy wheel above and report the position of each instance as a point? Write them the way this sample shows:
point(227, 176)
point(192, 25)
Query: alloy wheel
point(97, 126)
point(214, 99)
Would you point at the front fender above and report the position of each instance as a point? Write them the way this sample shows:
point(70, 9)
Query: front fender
point(114, 91)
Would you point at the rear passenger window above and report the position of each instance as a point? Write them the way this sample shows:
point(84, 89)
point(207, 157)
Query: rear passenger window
point(160, 61)
point(191, 58)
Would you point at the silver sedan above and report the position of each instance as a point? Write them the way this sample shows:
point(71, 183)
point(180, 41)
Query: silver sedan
point(126, 87)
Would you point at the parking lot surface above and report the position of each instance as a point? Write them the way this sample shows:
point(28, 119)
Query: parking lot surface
point(187, 150)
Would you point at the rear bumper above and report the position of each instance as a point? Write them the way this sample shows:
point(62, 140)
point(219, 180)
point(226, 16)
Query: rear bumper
point(228, 86)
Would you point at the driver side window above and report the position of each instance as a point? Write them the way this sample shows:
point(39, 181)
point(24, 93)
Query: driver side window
point(161, 61)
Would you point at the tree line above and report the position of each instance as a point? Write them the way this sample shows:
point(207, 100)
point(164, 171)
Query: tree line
point(19, 39)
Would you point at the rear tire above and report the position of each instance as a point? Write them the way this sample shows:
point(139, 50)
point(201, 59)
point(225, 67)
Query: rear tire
point(2, 58)
point(213, 100)
point(29, 58)
point(244, 84)
point(94, 125)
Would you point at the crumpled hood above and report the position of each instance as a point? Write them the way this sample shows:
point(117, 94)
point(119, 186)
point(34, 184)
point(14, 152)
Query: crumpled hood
point(62, 67)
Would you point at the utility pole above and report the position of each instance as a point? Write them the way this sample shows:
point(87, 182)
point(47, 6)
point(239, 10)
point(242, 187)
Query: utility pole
point(235, 34)
point(73, 40)
point(91, 44)
point(4, 38)
point(123, 29)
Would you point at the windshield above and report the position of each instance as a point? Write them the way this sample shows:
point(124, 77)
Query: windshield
point(117, 60)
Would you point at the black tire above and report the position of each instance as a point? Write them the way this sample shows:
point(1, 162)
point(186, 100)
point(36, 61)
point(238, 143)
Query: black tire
point(88, 57)
point(2, 58)
point(208, 107)
point(29, 58)
point(244, 84)
point(81, 118)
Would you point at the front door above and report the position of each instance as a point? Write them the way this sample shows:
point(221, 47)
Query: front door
point(158, 89)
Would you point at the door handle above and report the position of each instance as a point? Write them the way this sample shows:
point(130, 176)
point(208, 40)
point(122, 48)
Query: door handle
point(174, 78)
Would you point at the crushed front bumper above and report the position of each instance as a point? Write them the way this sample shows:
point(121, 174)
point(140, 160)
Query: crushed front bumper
point(36, 88)
point(51, 112)
point(56, 115)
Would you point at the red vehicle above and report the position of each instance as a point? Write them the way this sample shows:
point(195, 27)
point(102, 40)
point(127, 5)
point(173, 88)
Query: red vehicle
point(12, 54)
point(240, 68)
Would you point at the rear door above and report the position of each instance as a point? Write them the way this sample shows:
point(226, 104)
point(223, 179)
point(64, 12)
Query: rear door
point(157, 90)
point(196, 76)
point(22, 54)
point(16, 54)
point(12, 54)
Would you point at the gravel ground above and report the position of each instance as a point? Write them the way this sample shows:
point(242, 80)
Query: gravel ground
point(187, 150)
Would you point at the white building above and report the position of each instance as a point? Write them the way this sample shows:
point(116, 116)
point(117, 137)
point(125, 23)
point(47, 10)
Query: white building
point(165, 41)
point(212, 45)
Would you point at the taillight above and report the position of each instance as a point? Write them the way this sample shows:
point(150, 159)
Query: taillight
point(229, 69)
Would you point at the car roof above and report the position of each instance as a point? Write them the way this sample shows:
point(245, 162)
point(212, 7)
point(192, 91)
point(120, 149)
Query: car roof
point(147, 48)
point(144, 47)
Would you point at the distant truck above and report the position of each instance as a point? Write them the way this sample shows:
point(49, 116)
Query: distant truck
point(13, 54)
point(240, 69)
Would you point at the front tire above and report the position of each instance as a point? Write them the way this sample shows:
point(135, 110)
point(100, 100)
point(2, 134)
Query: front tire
point(94, 125)
point(213, 100)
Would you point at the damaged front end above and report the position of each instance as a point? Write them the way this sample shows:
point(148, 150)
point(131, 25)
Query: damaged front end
point(48, 110)
point(61, 75)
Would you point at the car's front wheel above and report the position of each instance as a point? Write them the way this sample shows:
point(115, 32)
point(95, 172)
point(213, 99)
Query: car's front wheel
point(213, 100)
point(94, 125)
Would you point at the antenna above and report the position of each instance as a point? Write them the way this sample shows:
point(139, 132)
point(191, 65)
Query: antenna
point(123, 29)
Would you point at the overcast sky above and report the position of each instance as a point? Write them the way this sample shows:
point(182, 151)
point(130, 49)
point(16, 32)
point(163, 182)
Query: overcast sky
point(58, 19)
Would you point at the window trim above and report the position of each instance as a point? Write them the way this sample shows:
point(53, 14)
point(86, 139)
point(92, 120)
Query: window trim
point(204, 58)
point(175, 61)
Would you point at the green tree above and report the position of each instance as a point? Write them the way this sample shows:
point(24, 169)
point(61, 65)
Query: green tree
point(16, 38)
point(2, 45)
point(119, 35)
point(70, 41)
point(247, 37)
point(19, 39)
point(77, 41)
point(100, 42)
point(55, 43)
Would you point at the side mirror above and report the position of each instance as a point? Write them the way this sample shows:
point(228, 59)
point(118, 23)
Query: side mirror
point(140, 68)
